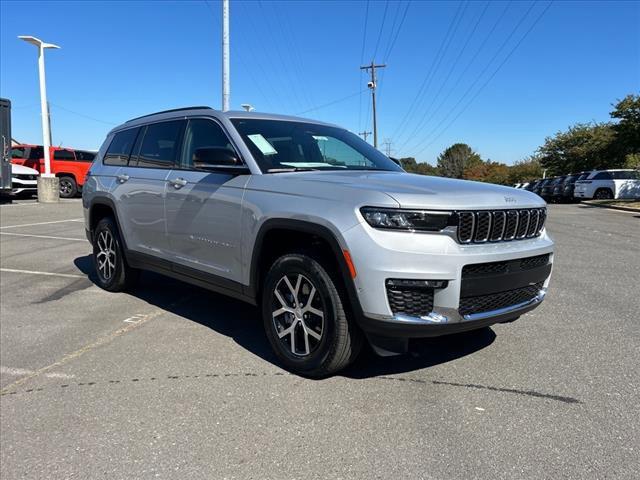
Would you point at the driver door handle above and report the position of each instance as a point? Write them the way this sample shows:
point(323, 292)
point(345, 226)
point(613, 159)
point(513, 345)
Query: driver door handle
point(178, 182)
point(122, 178)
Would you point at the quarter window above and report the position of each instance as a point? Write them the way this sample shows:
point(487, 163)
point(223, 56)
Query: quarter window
point(603, 176)
point(120, 148)
point(160, 144)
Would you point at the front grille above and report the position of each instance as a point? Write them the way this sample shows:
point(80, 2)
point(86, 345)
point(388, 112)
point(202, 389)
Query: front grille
point(500, 225)
point(414, 301)
point(494, 301)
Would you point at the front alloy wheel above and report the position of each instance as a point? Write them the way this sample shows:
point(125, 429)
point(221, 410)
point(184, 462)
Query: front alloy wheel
point(113, 272)
point(298, 314)
point(106, 256)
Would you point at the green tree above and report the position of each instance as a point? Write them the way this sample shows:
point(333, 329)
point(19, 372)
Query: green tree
point(525, 170)
point(632, 161)
point(490, 172)
point(627, 112)
point(453, 161)
point(422, 168)
point(581, 147)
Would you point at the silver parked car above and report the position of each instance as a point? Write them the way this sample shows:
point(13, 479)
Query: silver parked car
point(332, 240)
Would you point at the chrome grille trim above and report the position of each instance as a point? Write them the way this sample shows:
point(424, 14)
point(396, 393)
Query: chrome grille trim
point(484, 226)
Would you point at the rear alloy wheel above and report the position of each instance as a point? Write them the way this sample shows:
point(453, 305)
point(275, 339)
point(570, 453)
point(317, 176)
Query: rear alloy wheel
point(68, 187)
point(113, 272)
point(304, 318)
point(603, 194)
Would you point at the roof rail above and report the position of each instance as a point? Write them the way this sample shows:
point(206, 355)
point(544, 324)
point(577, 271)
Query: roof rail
point(169, 111)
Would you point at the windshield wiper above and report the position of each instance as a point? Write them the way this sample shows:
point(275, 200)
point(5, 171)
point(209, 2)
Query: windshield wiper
point(293, 169)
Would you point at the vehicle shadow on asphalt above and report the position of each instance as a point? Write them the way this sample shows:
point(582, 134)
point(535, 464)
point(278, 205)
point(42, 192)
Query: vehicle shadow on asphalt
point(241, 322)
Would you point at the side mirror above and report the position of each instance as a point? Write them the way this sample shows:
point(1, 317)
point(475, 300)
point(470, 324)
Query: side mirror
point(211, 157)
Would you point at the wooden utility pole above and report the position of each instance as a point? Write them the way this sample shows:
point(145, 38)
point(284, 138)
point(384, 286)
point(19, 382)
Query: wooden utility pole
point(364, 135)
point(372, 86)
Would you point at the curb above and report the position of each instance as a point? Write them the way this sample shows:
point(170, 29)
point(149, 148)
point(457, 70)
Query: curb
point(611, 207)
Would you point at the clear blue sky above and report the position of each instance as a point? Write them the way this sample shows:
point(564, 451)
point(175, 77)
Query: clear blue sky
point(498, 76)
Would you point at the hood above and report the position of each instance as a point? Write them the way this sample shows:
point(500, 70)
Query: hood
point(22, 170)
point(422, 191)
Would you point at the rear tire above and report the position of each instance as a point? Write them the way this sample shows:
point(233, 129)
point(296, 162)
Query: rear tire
point(603, 194)
point(113, 272)
point(68, 187)
point(305, 319)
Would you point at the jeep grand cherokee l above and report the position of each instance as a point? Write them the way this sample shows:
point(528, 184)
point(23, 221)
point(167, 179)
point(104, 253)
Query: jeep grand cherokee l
point(332, 240)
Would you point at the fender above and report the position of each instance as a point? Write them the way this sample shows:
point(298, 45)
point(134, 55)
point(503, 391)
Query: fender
point(305, 227)
point(108, 203)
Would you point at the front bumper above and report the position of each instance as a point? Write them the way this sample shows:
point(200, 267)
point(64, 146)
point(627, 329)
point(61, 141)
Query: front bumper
point(19, 186)
point(382, 255)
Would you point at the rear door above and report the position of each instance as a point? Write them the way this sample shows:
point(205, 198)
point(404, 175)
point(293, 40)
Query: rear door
point(204, 206)
point(140, 187)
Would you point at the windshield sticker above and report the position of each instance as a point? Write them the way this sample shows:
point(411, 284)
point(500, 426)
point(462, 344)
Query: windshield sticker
point(320, 139)
point(263, 144)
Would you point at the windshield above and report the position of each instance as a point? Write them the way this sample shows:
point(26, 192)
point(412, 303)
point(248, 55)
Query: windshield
point(279, 145)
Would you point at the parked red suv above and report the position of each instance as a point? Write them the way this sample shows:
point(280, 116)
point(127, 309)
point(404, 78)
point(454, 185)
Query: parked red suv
point(68, 164)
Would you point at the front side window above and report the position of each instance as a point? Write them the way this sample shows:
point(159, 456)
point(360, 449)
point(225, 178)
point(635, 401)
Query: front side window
point(83, 156)
point(289, 145)
point(120, 148)
point(203, 140)
point(36, 153)
point(160, 144)
point(63, 155)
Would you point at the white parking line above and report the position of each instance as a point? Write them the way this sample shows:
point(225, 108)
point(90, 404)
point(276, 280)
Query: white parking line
point(44, 236)
point(49, 274)
point(23, 371)
point(41, 223)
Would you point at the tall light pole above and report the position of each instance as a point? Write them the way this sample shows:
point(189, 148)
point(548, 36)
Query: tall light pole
point(226, 94)
point(44, 110)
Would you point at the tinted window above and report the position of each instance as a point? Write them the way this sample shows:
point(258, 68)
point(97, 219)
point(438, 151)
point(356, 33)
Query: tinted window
point(603, 176)
point(83, 156)
point(160, 144)
point(584, 176)
point(120, 148)
point(17, 152)
point(626, 175)
point(36, 153)
point(202, 133)
point(63, 155)
point(279, 144)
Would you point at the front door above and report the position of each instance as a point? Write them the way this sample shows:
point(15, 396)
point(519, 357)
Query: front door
point(203, 207)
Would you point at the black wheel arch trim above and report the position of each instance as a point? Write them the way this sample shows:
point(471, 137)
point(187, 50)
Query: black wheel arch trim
point(107, 202)
point(302, 226)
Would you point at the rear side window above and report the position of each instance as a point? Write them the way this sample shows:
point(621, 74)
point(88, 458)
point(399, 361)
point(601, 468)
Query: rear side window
point(160, 144)
point(36, 153)
point(120, 148)
point(63, 155)
point(628, 175)
point(603, 176)
point(83, 156)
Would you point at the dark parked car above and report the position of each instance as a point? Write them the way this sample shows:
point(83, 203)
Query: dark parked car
point(540, 185)
point(549, 187)
point(563, 192)
point(532, 185)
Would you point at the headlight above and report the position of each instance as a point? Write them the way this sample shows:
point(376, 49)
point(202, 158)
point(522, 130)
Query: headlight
point(412, 220)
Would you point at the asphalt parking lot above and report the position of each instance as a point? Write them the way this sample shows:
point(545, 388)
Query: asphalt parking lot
point(171, 381)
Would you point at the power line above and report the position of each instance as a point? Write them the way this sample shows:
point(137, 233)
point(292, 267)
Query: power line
point(466, 69)
point(491, 77)
point(414, 102)
point(395, 37)
point(420, 124)
point(384, 17)
point(82, 114)
point(342, 99)
point(364, 38)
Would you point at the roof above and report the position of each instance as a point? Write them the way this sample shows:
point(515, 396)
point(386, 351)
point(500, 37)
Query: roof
point(200, 110)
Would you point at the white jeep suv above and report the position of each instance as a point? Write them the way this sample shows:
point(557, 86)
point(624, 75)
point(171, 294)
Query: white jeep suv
point(609, 184)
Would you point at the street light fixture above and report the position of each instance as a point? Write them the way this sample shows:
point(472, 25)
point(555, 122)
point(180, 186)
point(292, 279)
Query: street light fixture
point(44, 114)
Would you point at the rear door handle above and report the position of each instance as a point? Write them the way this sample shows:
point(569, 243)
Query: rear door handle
point(122, 178)
point(178, 182)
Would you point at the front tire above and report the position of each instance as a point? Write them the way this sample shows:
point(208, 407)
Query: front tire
point(305, 319)
point(113, 272)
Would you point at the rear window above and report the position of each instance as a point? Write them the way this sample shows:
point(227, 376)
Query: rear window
point(120, 148)
point(63, 155)
point(160, 144)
